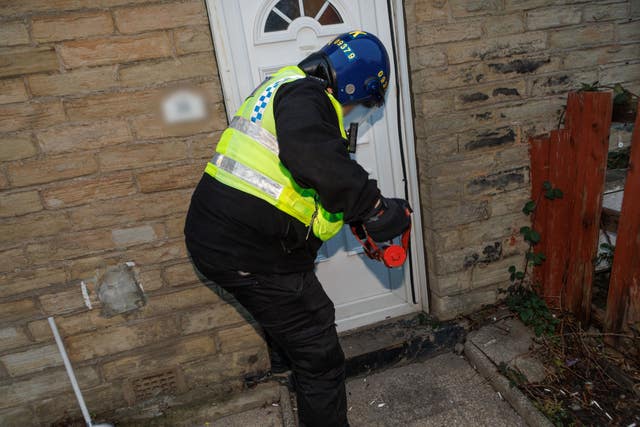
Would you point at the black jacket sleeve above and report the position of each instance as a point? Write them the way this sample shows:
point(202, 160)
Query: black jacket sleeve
point(313, 150)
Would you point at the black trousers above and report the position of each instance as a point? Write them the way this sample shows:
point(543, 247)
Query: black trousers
point(299, 318)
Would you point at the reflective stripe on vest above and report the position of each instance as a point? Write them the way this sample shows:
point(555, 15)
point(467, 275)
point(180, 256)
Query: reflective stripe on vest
point(247, 159)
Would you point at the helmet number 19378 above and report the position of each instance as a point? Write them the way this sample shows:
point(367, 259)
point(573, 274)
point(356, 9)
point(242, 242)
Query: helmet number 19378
point(346, 49)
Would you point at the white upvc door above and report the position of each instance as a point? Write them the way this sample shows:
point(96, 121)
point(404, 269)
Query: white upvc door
point(255, 38)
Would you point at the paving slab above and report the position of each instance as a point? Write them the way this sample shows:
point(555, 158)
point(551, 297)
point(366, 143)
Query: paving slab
point(441, 391)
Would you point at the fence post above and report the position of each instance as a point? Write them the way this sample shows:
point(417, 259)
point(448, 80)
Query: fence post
point(588, 120)
point(623, 301)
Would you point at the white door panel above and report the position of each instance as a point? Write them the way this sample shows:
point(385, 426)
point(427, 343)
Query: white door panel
point(256, 38)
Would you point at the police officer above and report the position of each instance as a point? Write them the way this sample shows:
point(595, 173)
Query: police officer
point(280, 183)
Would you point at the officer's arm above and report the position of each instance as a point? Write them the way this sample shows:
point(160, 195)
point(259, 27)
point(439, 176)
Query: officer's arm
point(313, 150)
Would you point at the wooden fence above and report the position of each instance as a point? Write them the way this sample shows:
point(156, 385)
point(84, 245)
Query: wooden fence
point(574, 159)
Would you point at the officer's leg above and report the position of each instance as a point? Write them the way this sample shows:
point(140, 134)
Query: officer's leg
point(296, 313)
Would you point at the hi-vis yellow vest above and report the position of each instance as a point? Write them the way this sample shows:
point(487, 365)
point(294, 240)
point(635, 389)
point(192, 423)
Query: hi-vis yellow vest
point(247, 159)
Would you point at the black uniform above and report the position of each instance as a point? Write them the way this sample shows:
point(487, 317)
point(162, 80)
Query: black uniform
point(229, 232)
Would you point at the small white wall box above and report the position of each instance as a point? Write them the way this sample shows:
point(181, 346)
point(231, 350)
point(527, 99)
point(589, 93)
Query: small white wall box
point(183, 106)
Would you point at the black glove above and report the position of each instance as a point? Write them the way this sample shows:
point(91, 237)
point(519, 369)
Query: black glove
point(388, 219)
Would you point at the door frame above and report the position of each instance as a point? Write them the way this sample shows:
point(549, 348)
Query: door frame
point(233, 90)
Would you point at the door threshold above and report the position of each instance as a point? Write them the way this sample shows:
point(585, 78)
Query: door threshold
point(398, 341)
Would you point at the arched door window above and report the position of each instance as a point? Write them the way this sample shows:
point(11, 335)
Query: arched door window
point(286, 11)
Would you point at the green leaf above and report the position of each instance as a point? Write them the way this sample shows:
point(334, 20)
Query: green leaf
point(557, 193)
point(525, 230)
point(533, 237)
point(519, 275)
point(549, 194)
point(529, 207)
point(546, 185)
point(512, 269)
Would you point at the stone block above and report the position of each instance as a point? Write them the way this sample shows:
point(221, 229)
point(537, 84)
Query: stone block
point(35, 226)
point(18, 309)
point(116, 339)
point(592, 34)
point(239, 338)
point(12, 337)
point(550, 17)
point(185, 176)
point(181, 300)
point(173, 354)
point(73, 82)
point(30, 280)
point(211, 318)
point(141, 155)
point(600, 55)
point(431, 33)
point(513, 90)
point(112, 50)
point(69, 299)
point(605, 12)
point(52, 169)
point(17, 417)
point(463, 213)
point(33, 360)
point(12, 204)
point(33, 6)
point(152, 126)
point(150, 279)
point(203, 146)
point(44, 385)
point(180, 68)
point(141, 207)
point(12, 259)
point(498, 182)
point(86, 190)
point(500, 69)
point(478, 276)
point(499, 25)
point(16, 147)
point(426, 56)
point(166, 251)
point(437, 149)
point(70, 26)
point(553, 84)
point(99, 107)
point(463, 8)
point(12, 90)
point(434, 103)
point(496, 228)
point(223, 367)
point(527, 4)
point(155, 17)
point(26, 60)
point(193, 39)
point(32, 115)
point(448, 307)
point(13, 33)
point(131, 236)
point(175, 226)
point(620, 73)
point(421, 11)
point(84, 136)
point(183, 273)
point(434, 79)
point(69, 245)
point(490, 138)
point(497, 47)
point(509, 203)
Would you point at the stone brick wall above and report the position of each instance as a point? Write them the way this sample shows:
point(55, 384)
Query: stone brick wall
point(486, 74)
point(91, 177)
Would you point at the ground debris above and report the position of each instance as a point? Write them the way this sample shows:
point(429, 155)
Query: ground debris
point(591, 383)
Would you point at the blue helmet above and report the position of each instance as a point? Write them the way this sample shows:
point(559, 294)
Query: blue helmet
point(355, 65)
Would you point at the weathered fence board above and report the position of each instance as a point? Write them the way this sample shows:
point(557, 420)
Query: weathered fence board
point(623, 301)
point(539, 151)
point(562, 170)
point(588, 120)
